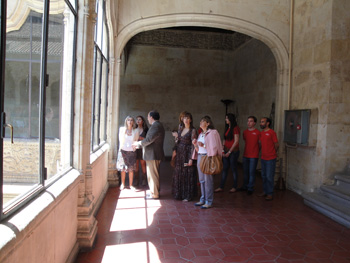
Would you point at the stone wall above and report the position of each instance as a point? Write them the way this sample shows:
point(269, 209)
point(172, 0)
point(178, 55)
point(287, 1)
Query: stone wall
point(338, 125)
point(173, 79)
point(267, 21)
point(21, 160)
point(254, 81)
point(271, 14)
point(321, 83)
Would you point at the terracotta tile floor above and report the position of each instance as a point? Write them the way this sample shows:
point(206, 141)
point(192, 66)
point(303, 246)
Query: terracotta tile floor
point(239, 228)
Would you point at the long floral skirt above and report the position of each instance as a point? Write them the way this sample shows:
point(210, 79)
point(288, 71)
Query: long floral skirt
point(126, 161)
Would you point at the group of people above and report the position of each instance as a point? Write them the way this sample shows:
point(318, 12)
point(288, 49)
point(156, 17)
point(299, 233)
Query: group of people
point(190, 147)
point(255, 140)
point(141, 145)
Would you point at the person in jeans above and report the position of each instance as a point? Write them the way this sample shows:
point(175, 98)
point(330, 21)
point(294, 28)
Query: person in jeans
point(208, 143)
point(269, 147)
point(251, 136)
point(231, 152)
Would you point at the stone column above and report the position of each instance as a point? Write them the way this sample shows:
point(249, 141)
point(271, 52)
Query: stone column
point(87, 224)
point(113, 121)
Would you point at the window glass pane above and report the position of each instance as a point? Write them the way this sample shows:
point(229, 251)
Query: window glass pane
point(59, 89)
point(99, 24)
point(97, 90)
point(22, 84)
point(105, 41)
point(73, 3)
point(103, 104)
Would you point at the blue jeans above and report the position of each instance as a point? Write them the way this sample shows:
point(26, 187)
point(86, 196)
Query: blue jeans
point(249, 168)
point(231, 160)
point(207, 185)
point(268, 175)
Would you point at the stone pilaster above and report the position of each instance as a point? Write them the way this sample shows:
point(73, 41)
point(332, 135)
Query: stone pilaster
point(87, 223)
point(113, 179)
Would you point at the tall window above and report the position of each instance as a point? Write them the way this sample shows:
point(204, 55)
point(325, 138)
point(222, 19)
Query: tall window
point(37, 95)
point(100, 87)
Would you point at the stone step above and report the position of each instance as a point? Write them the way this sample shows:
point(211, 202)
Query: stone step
point(343, 180)
point(328, 207)
point(336, 193)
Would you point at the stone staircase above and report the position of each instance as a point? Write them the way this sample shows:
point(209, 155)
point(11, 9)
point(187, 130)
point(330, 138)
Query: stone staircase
point(332, 200)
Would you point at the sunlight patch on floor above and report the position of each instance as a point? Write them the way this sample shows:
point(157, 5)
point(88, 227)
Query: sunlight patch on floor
point(141, 252)
point(133, 211)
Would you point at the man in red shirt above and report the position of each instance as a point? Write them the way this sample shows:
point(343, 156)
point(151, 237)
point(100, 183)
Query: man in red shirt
point(251, 136)
point(269, 147)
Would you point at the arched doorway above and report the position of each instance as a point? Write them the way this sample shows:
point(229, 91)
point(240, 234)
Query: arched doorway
point(266, 36)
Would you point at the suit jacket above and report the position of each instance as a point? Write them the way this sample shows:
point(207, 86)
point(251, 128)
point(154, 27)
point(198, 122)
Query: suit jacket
point(153, 143)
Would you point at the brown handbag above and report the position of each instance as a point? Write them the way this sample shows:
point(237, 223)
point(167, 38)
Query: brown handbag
point(211, 164)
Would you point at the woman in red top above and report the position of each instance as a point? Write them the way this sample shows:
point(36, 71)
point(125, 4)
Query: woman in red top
point(231, 152)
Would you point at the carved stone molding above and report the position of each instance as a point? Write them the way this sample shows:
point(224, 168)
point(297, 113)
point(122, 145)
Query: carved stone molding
point(87, 223)
point(228, 41)
point(18, 10)
point(113, 178)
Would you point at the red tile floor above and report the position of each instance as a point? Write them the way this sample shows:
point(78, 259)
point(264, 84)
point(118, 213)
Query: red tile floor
point(239, 228)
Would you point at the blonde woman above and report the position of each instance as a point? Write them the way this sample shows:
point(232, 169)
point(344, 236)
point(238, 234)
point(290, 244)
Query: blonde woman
point(127, 154)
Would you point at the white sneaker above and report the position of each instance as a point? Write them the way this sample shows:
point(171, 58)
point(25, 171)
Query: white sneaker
point(206, 206)
point(132, 188)
point(185, 200)
point(122, 187)
point(199, 204)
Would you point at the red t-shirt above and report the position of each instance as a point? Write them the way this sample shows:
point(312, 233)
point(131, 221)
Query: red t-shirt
point(251, 138)
point(268, 139)
point(228, 144)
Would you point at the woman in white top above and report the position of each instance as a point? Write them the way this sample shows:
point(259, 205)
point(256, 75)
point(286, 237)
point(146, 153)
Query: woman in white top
point(127, 155)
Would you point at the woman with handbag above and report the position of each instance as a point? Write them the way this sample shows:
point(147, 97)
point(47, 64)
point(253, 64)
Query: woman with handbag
point(127, 155)
point(208, 146)
point(231, 152)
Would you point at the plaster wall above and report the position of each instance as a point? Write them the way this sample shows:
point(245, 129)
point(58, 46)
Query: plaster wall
point(99, 177)
point(45, 230)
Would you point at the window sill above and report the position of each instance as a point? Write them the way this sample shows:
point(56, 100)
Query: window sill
point(95, 155)
point(15, 228)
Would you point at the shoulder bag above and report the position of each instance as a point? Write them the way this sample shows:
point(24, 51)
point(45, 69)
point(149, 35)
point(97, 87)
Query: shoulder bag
point(211, 164)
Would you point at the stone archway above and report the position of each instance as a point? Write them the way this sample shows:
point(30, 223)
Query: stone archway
point(265, 35)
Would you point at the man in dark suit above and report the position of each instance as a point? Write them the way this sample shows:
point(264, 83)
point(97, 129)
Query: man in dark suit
point(153, 152)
